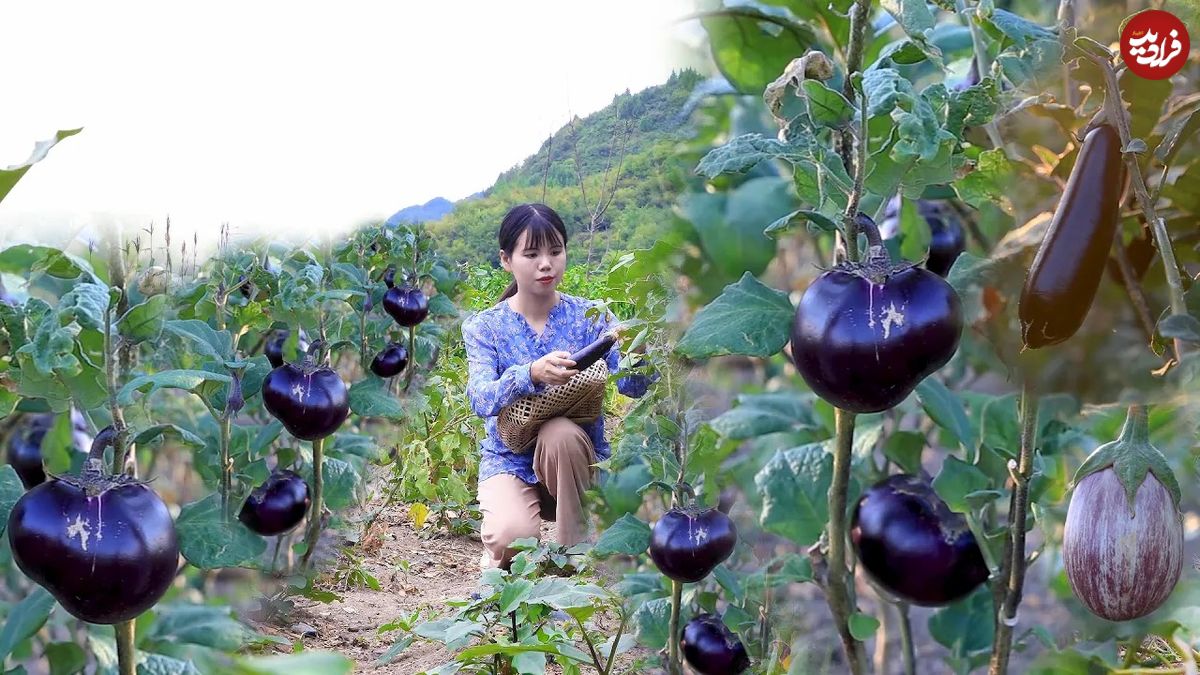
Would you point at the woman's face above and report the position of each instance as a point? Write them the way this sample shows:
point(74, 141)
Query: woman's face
point(537, 271)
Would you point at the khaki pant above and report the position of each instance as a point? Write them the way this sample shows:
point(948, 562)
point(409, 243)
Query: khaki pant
point(513, 509)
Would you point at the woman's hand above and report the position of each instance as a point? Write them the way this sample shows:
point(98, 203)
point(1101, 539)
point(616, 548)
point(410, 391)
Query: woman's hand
point(553, 368)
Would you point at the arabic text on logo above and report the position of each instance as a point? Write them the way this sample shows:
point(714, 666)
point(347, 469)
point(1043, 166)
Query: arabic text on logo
point(1155, 44)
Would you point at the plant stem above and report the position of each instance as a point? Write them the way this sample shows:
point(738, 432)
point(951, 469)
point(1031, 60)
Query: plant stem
point(110, 373)
point(1066, 19)
point(412, 356)
point(982, 64)
point(1012, 577)
point(1186, 653)
point(612, 653)
point(1133, 287)
point(221, 299)
point(1174, 281)
point(1131, 650)
point(126, 647)
point(854, 56)
point(412, 330)
point(591, 646)
point(275, 556)
point(314, 514)
point(226, 464)
point(837, 588)
point(764, 624)
point(674, 665)
point(681, 453)
point(883, 638)
point(906, 640)
point(111, 369)
point(978, 530)
point(979, 51)
point(119, 275)
point(967, 218)
point(1117, 114)
point(860, 165)
point(362, 338)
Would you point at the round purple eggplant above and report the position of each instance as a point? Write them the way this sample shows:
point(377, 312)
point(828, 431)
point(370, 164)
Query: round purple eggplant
point(104, 546)
point(25, 452)
point(25, 446)
point(687, 545)
point(273, 349)
point(406, 304)
point(276, 506)
point(913, 546)
point(711, 648)
point(637, 384)
point(311, 401)
point(391, 361)
point(867, 333)
point(947, 239)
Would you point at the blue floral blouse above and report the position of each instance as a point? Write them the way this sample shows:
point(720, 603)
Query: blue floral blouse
point(501, 346)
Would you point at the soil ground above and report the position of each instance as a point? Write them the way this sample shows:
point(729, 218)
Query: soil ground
point(416, 571)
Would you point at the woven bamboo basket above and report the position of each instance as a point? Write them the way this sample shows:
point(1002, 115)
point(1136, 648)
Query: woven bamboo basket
point(580, 399)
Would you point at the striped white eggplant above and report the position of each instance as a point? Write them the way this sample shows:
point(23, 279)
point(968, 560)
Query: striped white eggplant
point(1123, 545)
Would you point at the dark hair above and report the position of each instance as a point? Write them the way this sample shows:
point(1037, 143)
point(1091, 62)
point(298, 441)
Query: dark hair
point(544, 225)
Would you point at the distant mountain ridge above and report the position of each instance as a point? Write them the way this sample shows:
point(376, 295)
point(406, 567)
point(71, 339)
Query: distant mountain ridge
point(433, 209)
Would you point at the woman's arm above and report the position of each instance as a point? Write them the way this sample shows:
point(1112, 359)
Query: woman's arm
point(489, 394)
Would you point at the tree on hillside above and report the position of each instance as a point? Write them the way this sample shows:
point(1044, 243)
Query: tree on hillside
point(607, 190)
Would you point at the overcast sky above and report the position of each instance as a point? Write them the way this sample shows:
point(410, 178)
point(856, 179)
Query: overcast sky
point(295, 115)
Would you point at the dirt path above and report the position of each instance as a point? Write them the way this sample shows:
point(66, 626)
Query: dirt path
point(417, 571)
point(439, 567)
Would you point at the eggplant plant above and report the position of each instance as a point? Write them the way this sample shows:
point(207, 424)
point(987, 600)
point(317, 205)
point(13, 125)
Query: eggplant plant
point(867, 447)
point(95, 347)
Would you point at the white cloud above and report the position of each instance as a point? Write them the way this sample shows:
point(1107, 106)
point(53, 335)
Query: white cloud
point(291, 115)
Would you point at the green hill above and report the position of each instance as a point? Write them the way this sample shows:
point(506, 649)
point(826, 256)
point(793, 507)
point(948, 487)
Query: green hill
point(649, 125)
